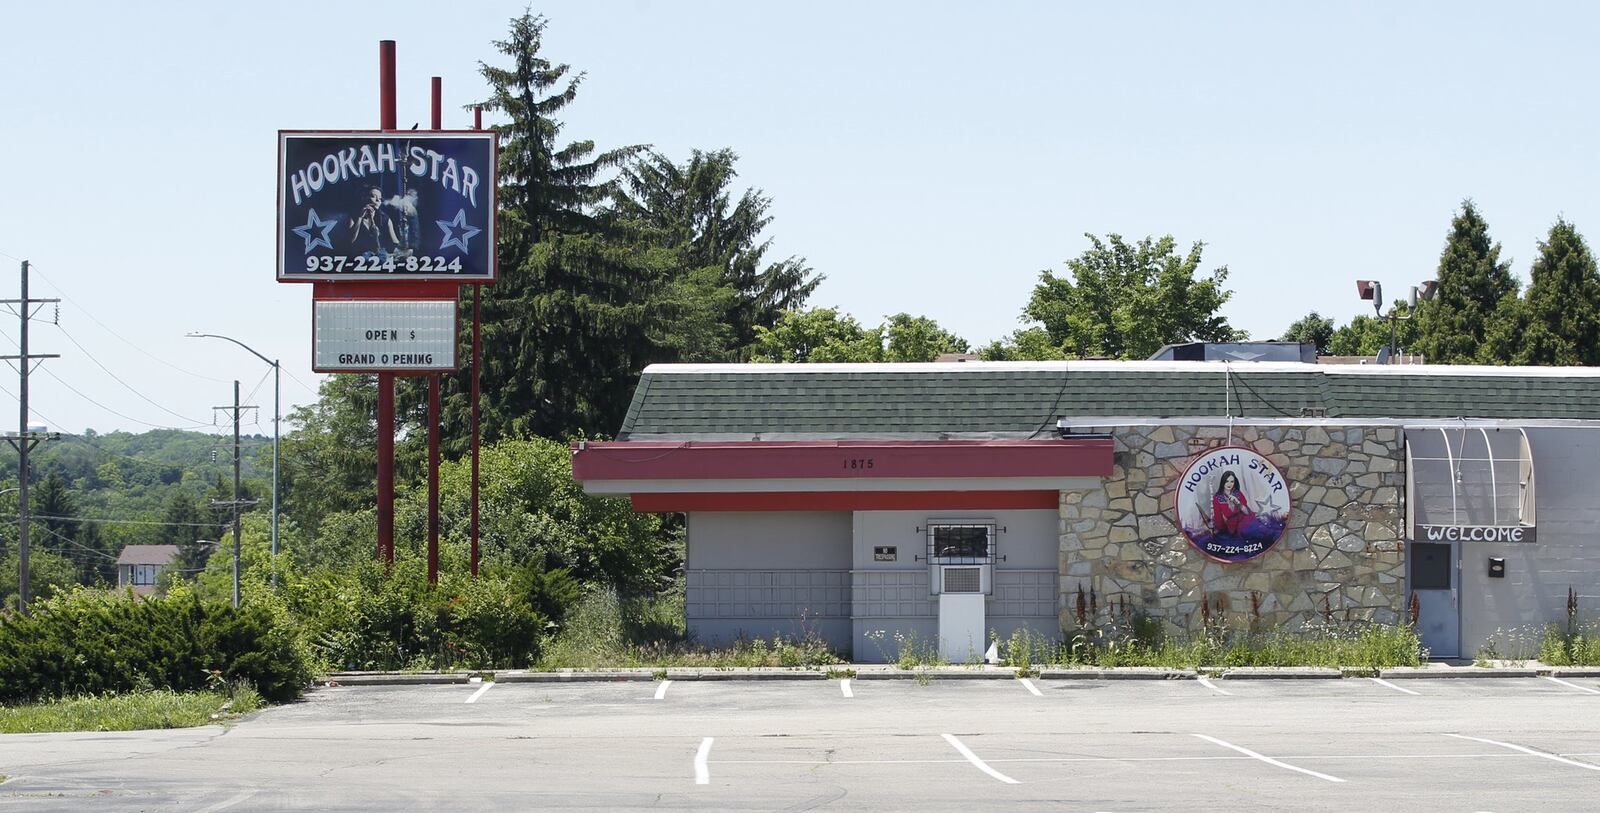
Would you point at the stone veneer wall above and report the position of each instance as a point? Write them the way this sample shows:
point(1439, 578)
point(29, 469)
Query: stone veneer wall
point(1340, 555)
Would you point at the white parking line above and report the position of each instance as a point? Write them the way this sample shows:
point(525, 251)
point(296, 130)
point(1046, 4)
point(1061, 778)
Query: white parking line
point(1531, 752)
point(1269, 760)
point(1570, 685)
point(1382, 682)
point(487, 685)
point(227, 803)
point(1206, 682)
point(844, 687)
point(978, 763)
point(1028, 684)
point(661, 690)
point(702, 771)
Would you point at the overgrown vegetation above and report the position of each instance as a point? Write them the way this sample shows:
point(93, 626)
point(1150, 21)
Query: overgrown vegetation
point(131, 711)
point(606, 631)
point(1572, 642)
point(1131, 639)
point(92, 643)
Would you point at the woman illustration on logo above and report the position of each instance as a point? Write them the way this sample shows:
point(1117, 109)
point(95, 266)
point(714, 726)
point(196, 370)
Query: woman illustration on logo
point(1229, 508)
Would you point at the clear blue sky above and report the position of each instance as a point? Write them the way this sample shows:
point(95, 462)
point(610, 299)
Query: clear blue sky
point(926, 157)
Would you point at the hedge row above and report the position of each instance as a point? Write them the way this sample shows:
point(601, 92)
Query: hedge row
point(92, 642)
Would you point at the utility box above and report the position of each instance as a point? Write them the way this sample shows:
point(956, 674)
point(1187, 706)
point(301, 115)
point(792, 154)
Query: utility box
point(962, 634)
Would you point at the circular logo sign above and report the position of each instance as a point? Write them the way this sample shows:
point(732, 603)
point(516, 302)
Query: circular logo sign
point(1233, 504)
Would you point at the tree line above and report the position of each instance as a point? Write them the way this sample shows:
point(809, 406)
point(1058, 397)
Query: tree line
point(1480, 313)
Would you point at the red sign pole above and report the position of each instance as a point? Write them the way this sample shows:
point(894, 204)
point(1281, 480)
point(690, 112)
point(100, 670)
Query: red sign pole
point(477, 124)
point(387, 121)
point(435, 383)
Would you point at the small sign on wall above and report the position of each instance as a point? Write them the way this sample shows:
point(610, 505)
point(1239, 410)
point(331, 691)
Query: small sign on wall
point(885, 553)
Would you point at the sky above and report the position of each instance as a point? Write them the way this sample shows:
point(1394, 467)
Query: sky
point(926, 157)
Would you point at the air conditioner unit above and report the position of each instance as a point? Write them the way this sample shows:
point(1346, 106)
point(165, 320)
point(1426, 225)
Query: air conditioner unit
point(962, 579)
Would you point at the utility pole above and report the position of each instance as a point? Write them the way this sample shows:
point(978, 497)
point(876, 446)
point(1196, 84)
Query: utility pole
point(24, 440)
point(235, 503)
point(277, 409)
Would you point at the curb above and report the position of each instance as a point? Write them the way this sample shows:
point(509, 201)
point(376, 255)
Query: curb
point(381, 679)
point(575, 676)
point(743, 674)
point(1571, 671)
point(884, 672)
point(938, 673)
point(1125, 673)
point(1426, 673)
point(1279, 673)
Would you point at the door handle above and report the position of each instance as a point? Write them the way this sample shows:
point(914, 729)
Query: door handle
point(1453, 597)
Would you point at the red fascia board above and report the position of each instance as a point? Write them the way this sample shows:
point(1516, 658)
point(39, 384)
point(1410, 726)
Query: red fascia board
point(846, 501)
point(853, 460)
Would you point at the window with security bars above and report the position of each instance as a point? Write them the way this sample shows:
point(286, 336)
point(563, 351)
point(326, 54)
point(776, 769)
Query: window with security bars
point(951, 544)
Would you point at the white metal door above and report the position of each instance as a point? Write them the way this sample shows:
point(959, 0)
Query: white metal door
point(1435, 582)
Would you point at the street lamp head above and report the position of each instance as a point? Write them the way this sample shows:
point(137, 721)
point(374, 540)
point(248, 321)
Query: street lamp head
point(1371, 289)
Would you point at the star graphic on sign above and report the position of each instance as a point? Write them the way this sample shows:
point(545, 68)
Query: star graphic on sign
point(1270, 505)
point(457, 232)
point(317, 224)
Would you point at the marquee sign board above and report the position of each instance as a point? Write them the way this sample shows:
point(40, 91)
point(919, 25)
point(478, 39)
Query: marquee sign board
point(385, 205)
point(1233, 504)
point(1519, 534)
point(366, 336)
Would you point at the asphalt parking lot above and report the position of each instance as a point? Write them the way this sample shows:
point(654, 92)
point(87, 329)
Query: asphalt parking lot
point(1502, 744)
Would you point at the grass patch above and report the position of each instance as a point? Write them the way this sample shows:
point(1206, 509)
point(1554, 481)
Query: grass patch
point(604, 631)
point(1366, 646)
point(131, 711)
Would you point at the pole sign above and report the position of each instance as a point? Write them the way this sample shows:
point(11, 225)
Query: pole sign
point(384, 205)
point(1525, 534)
point(1232, 503)
point(367, 336)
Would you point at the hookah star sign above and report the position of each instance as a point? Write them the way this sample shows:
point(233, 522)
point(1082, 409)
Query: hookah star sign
point(1233, 504)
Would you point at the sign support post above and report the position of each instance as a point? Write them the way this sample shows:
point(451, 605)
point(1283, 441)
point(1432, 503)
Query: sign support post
point(435, 383)
point(386, 121)
point(477, 124)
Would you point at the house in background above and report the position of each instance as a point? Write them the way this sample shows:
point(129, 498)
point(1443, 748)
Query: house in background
point(140, 566)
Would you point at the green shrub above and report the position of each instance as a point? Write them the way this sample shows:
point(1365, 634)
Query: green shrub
point(91, 642)
point(364, 618)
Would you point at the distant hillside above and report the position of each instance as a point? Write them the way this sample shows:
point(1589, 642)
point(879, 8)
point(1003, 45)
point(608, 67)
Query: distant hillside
point(131, 477)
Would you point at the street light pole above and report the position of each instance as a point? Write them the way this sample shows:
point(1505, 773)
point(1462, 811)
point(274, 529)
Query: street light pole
point(277, 371)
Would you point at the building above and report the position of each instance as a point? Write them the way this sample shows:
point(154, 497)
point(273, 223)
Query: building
point(140, 566)
point(951, 501)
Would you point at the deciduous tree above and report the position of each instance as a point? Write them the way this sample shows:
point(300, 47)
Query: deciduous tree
point(1313, 328)
point(1126, 300)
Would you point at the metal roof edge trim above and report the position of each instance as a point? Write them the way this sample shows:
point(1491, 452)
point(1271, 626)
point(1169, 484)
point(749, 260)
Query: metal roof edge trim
point(1232, 367)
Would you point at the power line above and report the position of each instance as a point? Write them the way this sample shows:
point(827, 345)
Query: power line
point(116, 377)
point(85, 397)
point(75, 544)
point(109, 521)
point(108, 328)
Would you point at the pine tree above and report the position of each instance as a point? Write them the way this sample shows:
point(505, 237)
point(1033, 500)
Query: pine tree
point(1473, 282)
point(54, 511)
point(1563, 303)
point(184, 528)
point(569, 324)
point(718, 243)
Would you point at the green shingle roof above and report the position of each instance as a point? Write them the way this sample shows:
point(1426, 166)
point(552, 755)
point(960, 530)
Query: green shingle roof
point(1020, 398)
